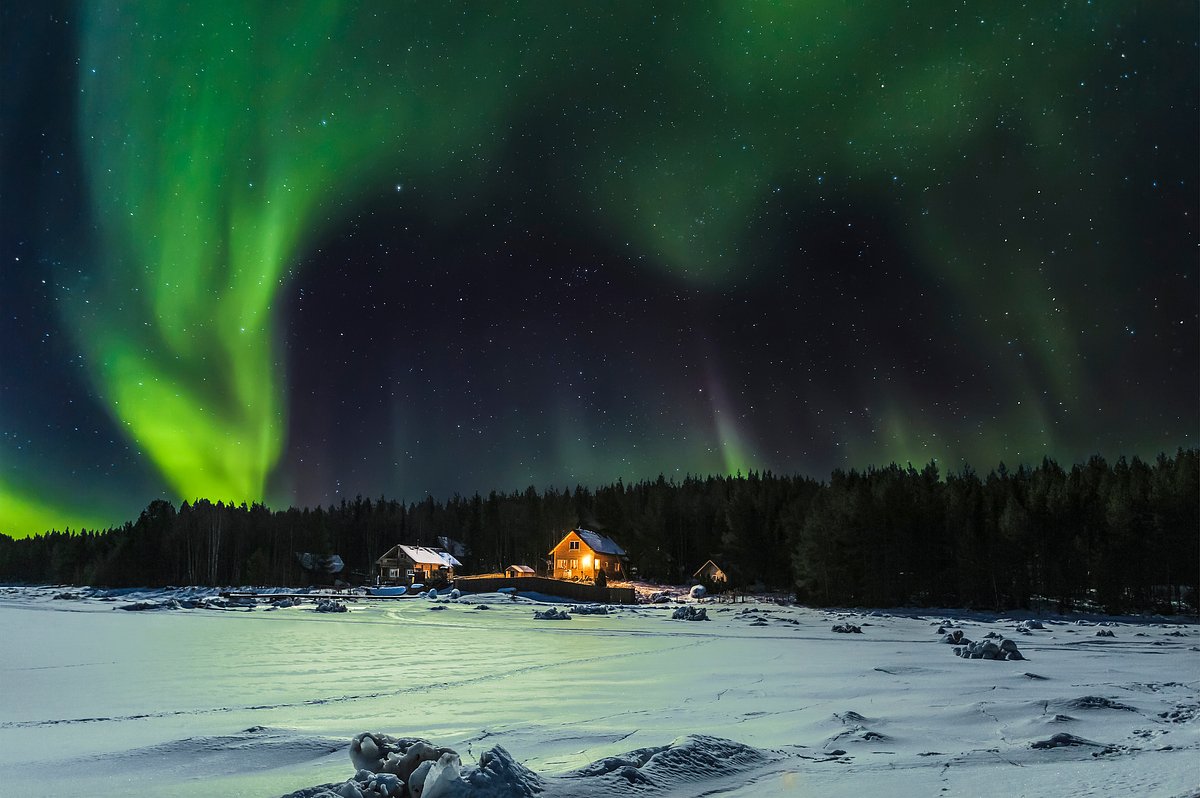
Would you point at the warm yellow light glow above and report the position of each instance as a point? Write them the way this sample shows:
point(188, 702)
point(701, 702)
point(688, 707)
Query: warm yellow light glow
point(587, 561)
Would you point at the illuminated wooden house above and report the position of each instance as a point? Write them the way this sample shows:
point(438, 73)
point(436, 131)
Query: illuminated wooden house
point(581, 554)
point(711, 573)
point(407, 565)
point(518, 571)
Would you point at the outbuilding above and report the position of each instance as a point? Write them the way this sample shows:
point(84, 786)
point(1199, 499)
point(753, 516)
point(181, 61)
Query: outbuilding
point(711, 573)
point(518, 571)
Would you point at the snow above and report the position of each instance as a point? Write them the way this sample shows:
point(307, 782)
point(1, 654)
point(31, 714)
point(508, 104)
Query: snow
point(762, 700)
point(600, 543)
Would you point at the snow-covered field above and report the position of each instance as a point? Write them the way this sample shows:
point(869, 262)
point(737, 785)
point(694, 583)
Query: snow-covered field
point(760, 700)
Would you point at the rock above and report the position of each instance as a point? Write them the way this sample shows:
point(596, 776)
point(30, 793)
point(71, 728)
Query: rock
point(1105, 633)
point(690, 613)
point(330, 605)
point(551, 615)
point(847, 628)
point(697, 591)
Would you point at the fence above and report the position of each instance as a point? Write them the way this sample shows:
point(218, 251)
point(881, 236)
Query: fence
point(579, 591)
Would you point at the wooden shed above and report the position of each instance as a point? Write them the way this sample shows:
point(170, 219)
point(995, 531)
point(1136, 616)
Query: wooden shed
point(711, 572)
point(518, 571)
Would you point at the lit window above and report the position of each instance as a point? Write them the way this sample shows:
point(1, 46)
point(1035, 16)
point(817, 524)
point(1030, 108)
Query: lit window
point(573, 545)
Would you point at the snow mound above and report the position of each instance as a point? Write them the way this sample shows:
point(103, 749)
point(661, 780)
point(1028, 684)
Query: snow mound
point(500, 776)
point(689, 613)
point(330, 605)
point(1029, 626)
point(1063, 739)
point(697, 591)
point(1093, 702)
point(203, 757)
point(691, 759)
point(141, 606)
point(551, 615)
point(588, 609)
point(1003, 649)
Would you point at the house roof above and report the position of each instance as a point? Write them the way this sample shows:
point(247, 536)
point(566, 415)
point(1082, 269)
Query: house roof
point(702, 568)
point(599, 543)
point(523, 569)
point(426, 555)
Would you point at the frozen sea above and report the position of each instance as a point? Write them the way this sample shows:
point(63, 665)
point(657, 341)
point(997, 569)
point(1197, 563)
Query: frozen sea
point(760, 700)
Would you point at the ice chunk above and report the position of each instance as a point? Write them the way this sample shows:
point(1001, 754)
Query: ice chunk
point(380, 753)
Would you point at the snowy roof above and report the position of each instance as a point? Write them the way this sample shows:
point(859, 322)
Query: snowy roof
point(599, 543)
point(523, 569)
point(428, 556)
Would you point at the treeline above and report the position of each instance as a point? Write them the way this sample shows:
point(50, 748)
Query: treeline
point(1118, 536)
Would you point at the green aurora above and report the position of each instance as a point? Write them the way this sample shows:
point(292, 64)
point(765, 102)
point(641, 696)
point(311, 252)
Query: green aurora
point(223, 142)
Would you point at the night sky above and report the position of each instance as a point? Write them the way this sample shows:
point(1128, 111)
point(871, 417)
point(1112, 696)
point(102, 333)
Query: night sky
point(298, 252)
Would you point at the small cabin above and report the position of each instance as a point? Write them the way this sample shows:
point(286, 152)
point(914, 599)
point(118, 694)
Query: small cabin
point(407, 565)
point(581, 554)
point(518, 571)
point(711, 573)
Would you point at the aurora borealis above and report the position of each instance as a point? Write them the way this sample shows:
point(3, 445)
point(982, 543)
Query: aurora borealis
point(291, 253)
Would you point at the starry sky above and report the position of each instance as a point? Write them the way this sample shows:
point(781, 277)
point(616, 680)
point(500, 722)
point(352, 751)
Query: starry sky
point(298, 252)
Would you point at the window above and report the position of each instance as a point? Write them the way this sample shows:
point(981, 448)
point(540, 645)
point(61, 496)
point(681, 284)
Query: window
point(574, 563)
point(393, 573)
point(573, 545)
point(562, 563)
